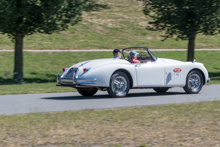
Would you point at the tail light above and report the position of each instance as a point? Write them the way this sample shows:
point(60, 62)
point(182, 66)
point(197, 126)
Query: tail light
point(86, 69)
point(64, 69)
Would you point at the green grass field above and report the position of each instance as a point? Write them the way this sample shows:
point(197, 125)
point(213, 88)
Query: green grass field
point(40, 68)
point(119, 25)
point(188, 125)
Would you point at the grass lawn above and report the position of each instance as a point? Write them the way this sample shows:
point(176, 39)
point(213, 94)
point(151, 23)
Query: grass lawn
point(119, 25)
point(191, 125)
point(40, 68)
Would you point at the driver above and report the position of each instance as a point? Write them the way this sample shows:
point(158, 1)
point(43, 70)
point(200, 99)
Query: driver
point(117, 54)
point(133, 57)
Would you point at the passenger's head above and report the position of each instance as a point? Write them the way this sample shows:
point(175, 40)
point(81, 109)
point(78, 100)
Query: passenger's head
point(133, 54)
point(117, 53)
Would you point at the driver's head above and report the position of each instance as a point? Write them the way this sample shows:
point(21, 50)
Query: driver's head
point(117, 53)
point(133, 54)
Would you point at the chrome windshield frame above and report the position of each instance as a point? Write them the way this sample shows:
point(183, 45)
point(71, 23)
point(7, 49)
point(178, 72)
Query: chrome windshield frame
point(154, 58)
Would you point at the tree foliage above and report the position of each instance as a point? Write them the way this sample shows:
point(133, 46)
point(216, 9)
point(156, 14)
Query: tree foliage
point(43, 16)
point(184, 19)
point(26, 17)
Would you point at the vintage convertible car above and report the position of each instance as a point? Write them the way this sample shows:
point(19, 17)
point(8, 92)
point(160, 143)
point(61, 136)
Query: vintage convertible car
point(117, 76)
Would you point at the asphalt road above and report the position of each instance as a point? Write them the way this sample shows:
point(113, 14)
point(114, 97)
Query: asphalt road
point(72, 101)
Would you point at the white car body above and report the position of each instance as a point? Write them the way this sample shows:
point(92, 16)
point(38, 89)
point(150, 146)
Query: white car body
point(160, 73)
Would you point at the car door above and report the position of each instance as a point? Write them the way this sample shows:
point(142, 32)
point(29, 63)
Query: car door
point(150, 74)
point(175, 74)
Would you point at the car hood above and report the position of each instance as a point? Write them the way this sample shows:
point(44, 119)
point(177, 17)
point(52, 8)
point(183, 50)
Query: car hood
point(170, 60)
point(99, 62)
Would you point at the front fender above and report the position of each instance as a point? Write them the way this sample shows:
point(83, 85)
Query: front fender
point(204, 71)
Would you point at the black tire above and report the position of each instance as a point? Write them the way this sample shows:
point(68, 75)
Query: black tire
point(194, 82)
point(119, 85)
point(161, 89)
point(87, 91)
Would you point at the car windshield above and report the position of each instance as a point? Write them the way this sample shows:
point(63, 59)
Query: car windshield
point(144, 54)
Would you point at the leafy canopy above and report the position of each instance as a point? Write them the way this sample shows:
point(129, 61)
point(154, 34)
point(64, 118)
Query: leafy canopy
point(43, 16)
point(183, 17)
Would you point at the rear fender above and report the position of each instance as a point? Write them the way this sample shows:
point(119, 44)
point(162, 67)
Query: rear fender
point(104, 73)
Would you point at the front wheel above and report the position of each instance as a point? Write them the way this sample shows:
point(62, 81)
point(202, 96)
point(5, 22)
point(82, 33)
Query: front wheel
point(194, 82)
point(87, 91)
point(119, 85)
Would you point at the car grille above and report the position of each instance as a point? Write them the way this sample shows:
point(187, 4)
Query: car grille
point(71, 72)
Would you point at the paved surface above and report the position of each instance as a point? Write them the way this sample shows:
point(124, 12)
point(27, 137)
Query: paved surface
point(55, 102)
point(98, 50)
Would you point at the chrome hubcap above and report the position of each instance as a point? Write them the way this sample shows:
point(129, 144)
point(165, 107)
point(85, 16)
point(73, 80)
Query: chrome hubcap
point(119, 85)
point(194, 82)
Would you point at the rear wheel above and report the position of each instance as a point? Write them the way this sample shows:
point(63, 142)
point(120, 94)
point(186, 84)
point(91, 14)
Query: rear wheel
point(87, 91)
point(194, 82)
point(160, 89)
point(119, 85)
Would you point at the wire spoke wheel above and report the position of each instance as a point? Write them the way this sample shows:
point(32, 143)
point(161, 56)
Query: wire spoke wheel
point(119, 85)
point(194, 82)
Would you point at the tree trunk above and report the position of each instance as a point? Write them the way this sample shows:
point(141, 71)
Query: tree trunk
point(18, 58)
point(191, 46)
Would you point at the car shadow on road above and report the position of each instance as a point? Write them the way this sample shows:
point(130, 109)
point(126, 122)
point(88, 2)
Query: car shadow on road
point(106, 96)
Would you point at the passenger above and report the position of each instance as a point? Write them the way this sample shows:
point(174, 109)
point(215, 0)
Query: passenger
point(117, 54)
point(133, 57)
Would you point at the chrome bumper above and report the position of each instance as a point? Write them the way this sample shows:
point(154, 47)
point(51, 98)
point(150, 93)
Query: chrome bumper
point(85, 81)
point(75, 81)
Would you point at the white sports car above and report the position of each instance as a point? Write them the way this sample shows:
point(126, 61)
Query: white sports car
point(117, 76)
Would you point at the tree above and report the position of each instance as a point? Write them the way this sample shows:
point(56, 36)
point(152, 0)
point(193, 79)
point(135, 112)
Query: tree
point(19, 18)
point(184, 19)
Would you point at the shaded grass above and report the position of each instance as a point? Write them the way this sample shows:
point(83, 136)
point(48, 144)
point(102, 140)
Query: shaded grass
point(31, 88)
point(190, 125)
point(40, 68)
point(121, 25)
